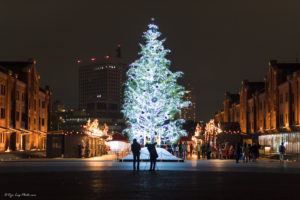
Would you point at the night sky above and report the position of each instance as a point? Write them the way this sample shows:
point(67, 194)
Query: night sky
point(216, 44)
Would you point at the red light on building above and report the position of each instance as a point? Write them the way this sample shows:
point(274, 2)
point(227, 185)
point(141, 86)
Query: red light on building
point(119, 45)
point(93, 59)
point(107, 57)
point(78, 61)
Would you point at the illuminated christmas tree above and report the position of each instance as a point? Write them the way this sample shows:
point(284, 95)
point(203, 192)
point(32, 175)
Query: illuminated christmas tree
point(152, 97)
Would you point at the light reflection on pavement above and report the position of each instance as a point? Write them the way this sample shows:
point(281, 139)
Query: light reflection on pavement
point(96, 164)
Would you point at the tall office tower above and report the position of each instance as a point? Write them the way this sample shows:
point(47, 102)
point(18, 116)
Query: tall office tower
point(101, 86)
point(189, 113)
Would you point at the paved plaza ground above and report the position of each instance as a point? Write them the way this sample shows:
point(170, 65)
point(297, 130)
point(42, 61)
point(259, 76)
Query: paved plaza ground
point(99, 178)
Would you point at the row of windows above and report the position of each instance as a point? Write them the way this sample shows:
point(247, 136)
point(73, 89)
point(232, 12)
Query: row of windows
point(22, 97)
point(102, 106)
point(2, 137)
point(286, 98)
point(2, 90)
point(17, 117)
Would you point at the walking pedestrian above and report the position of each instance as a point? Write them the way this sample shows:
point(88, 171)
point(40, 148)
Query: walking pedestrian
point(220, 152)
point(153, 155)
point(246, 156)
point(254, 152)
point(136, 148)
point(208, 151)
point(203, 149)
point(198, 149)
point(184, 150)
point(191, 149)
point(237, 152)
point(180, 149)
point(177, 150)
point(282, 152)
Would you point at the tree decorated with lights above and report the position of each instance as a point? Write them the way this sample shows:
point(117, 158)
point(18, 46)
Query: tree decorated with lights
point(152, 97)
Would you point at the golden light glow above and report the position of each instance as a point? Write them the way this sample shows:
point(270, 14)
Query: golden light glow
point(93, 128)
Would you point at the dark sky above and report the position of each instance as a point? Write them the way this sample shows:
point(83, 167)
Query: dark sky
point(215, 43)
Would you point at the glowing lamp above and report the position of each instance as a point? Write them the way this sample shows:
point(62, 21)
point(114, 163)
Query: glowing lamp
point(78, 61)
point(93, 59)
point(107, 57)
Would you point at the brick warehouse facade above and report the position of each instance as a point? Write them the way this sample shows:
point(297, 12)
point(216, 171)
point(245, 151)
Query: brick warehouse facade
point(268, 111)
point(24, 107)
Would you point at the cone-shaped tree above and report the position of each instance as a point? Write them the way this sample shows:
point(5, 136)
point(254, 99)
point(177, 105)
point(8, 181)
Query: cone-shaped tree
point(152, 97)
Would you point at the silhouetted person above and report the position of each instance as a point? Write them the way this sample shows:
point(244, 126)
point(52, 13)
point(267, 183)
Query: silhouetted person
point(135, 148)
point(282, 152)
point(153, 155)
point(79, 151)
point(238, 151)
point(208, 151)
point(180, 149)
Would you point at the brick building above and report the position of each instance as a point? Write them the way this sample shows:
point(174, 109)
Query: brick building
point(23, 107)
point(268, 111)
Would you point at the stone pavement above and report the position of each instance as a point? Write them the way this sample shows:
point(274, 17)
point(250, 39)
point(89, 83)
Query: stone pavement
point(102, 179)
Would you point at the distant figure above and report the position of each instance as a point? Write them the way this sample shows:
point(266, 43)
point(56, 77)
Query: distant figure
point(191, 149)
point(208, 151)
point(237, 152)
point(203, 149)
point(177, 150)
point(198, 149)
point(153, 155)
point(246, 153)
point(282, 152)
point(136, 148)
point(220, 152)
point(180, 149)
point(184, 148)
point(254, 152)
point(79, 151)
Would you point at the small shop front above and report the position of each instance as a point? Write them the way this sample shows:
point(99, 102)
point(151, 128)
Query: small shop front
point(271, 142)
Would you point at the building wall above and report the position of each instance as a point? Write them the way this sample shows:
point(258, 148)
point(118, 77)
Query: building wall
point(261, 114)
point(21, 125)
point(272, 109)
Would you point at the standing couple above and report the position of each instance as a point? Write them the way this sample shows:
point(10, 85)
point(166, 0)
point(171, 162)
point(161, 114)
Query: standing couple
point(136, 150)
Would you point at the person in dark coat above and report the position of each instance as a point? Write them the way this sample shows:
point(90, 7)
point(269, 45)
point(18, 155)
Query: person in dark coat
point(153, 155)
point(238, 151)
point(136, 148)
point(180, 149)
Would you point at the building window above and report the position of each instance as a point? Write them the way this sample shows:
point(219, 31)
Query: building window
point(281, 119)
point(101, 106)
point(43, 104)
point(2, 113)
point(280, 98)
point(3, 90)
point(43, 121)
point(113, 106)
point(34, 121)
point(293, 117)
point(292, 98)
point(23, 97)
point(260, 106)
point(34, 106)
point(18, 96)
point(286, 97)
point(17, 116)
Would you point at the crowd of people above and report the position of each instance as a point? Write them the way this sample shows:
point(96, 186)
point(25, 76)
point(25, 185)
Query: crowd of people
point(245, 152)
